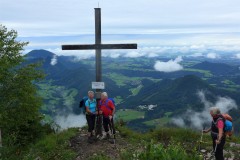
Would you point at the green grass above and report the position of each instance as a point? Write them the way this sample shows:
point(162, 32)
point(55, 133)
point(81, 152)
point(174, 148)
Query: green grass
point(53, 147)
point(205, 72)
point(116, 66)
point(135, 91)
point(155, 151)
point(157, 122)
point(164, 143)
point(229, 89)
point(69, 96)
point(56, 96)
point(128, 114)
point(122, 80)
point(230, 86)
point(228, 82)
point(128, 65)
point(118, 100)
point(189, 63)
point(167, 114)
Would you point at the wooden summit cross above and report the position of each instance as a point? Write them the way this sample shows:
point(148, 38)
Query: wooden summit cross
point(98, 46)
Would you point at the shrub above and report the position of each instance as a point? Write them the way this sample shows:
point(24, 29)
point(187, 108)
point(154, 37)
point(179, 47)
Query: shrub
point(53, 147)
point(158, 152)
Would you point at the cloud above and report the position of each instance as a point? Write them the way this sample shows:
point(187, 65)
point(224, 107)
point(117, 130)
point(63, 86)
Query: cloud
point(169, 66)
point(237, 56)
point(148, 45)
point(133, 54)
point(212, 56)
point(123, 16)
point(54, 60)
point(179, 122)
point(198, 119)
point(152, 55)
point(198, 54)
point(70, 121)
point(116, 55)
point(79, 55)
point(167, 45)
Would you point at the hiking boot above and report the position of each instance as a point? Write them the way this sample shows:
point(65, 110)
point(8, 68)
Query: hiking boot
point(107, 137)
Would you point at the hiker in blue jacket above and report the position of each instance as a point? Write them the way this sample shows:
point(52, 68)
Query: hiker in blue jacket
point(91, 105)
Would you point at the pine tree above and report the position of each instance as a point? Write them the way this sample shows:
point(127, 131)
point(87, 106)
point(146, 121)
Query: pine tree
point(20, 119)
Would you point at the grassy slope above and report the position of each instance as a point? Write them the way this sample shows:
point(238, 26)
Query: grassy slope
point(157, 122)
point(164, 143)
point(206, 73)
point(129, 114)
point(160, 122)
point(54, 146)
point(55, 98)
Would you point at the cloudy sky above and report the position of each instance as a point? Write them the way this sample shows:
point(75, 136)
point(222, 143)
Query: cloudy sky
point(194, 26)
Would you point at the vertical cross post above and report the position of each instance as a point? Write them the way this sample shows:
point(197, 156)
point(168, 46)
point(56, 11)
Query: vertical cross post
point(98, 52)
point(98, 61)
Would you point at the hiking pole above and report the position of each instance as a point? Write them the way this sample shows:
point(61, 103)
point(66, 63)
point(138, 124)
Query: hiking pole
point(215, 148)
point(99, 124)
point(96, 130)
point(114, 133)
point(213, 152)
point(111, 125)
point(199, 147)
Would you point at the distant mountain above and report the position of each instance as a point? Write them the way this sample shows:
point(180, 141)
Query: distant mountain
point(168, 91)
point(217, 68)
point(40, 54)
point(175, 96)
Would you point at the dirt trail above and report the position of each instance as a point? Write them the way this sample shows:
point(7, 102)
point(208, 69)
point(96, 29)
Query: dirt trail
point(86, 150)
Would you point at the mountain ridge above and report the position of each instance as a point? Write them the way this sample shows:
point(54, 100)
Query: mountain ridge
point(41, 53)
point(171, 92)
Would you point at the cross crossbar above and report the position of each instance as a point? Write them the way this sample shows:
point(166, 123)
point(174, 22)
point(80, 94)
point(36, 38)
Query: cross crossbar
point(99, 46)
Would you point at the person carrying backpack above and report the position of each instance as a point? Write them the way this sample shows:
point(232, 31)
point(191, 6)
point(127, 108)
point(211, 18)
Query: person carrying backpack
point(90, 106)
point(217, 132)
point(107, 109)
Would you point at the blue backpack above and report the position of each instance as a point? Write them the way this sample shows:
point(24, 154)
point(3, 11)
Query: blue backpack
point(228, 125)
point(112, 99)
point(82, 104)
point(109, 99)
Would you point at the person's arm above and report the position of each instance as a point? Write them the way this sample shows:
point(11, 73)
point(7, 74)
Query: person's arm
point(110, 103)
point(220, 135)
point(87, 107)
point(113, 108)
point(220, 125)
point(113, 112)
point(207, 130)
point(88, 110)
